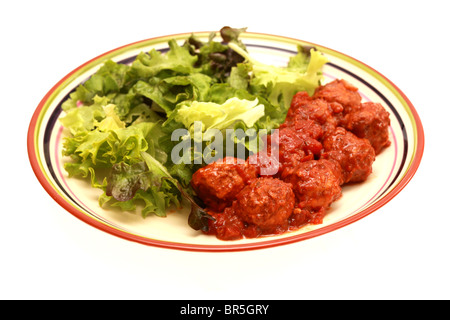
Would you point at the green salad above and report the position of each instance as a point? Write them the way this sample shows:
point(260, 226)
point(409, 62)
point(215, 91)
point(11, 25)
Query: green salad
point(122, 119)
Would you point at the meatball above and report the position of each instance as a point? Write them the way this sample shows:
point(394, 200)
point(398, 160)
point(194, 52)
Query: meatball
point(340, 91)
point(304, 127)
point(354, 155)
point(293, 147)
point(265, 162)
point(218, 183)
point(322, 112)
point(299, 99)
point(372, 122)
point(315, 184)
point(266, 203)
point(287, 146)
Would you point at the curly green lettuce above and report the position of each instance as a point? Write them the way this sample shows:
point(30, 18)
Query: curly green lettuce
point(120, 121)
point(279, 84)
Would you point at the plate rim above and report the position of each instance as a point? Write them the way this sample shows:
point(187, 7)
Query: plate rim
point(226, 247)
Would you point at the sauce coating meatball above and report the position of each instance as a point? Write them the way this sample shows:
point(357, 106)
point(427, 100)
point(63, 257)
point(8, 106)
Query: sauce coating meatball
point(227, 225)
point(265, 163)
point(315, 184)
point(340, 91)
point(354, 155)
point(293, 143)
point(218, 183)
point(372, 122)
point(266, 203)
point(318, 110)
point(304, 127)
point(293, 147)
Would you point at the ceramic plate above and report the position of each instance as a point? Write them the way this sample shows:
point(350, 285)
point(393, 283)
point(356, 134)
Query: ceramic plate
point(392, 170)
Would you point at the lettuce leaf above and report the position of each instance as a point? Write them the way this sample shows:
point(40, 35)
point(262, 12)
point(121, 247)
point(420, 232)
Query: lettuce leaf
point(198, 217)
point(215, 58)
point(84, 118)
point(141, 182)
point(219, 116)
point(124, 151)
point(111, 77)
point(125, 180)
point(167, 93)
point(303, 73)
point(177, 60)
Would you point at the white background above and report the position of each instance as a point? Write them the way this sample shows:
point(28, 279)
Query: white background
point(399, 252)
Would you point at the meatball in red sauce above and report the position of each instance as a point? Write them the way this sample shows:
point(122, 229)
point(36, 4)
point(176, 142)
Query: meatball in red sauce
point(265, 162)
point(372, 122)
point(340, 91)
point(304, 128)
point(263, 207)
point(354, 155)
point(316, 184)
point(293, 147)
point(318, 110)
point(365, 119)
point(218, 183)
point(267, 204)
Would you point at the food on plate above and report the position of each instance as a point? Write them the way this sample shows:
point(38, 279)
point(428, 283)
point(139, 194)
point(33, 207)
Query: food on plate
point(266, 203)
point(366, 120)
point(263, 206)
point(157, 132)
point(340, 91)
point(316, 183)
point(304, 107)
point(218, 184)
point(370, 121)
point(353, 155)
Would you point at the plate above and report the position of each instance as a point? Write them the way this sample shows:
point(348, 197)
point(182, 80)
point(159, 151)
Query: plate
point(392, 170)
